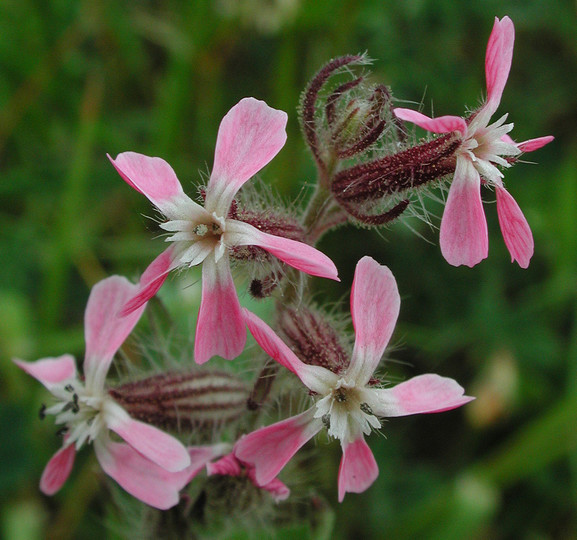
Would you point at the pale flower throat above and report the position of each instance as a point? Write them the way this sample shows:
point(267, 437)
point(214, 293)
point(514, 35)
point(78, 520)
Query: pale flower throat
point(196, 239)
point(82, 414)
point(484, 146)
point(345, 412)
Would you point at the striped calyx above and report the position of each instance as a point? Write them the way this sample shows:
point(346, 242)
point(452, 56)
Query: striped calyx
point(184, 400)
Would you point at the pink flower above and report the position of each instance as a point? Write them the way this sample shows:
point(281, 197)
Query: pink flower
point(250, 135)
point(484, 148)
point(347, 405)
point(229, 465)
point(153, 466)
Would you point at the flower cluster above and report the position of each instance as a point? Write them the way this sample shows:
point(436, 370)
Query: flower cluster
point(367, 173)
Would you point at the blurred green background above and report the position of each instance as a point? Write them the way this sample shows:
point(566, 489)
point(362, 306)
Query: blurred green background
point(82, 78)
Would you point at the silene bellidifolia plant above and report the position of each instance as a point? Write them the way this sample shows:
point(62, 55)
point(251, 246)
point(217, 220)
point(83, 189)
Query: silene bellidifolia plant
point(191, 438)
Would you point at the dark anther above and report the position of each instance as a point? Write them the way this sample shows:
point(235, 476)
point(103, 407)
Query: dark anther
point(69, 388)
point(42, 412)
point(340, 396)
point(68, 406)
point(366, 408)
point(75, 406)
point(263, 288)
point(326, 421)
point(256, 288)
point(61, 431)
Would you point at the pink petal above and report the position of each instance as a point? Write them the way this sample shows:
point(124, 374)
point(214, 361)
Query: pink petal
point(155, 445)
point(442, 124)
point(464, 238)
point(152, 177)
point(50, 371)
point(104, 330)
point(140, 477)
point(534, 144)
point(296, 254)
point(375, 305)
point(358, 469)
point(515, 229)
point(316, 378)
point(200, 456)
point(225, 466)
point(275, 487)
point(150, 281)
point(423, 394)
point(230, 466)
point(220, 329)
point(498, 60)
point(57, 470)
point(249, 136)
point(270, 448)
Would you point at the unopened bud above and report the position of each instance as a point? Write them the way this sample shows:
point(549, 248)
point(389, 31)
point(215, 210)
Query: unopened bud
point(313, 130)
point(362, 121)
point(267, 221)
point(313, 339)
point(184, 400)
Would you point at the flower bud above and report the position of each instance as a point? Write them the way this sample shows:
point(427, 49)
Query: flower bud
point(349, 122)
point(313, 339)
point(266, 271)
point(184, 400)
point(362, 121)
point(275, 222)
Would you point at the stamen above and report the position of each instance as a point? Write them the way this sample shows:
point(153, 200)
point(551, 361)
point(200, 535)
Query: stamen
point(366, 408)
point(69, 406)
point(326, 419)
point(69, 388)
point(42, 412)
point(75, 405)
point(340, 396)
point(61, 431)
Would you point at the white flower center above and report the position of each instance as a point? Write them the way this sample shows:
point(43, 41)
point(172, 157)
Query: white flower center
point(197, 238)
point(485, 148)
point(345, 412)
point(82, 415)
